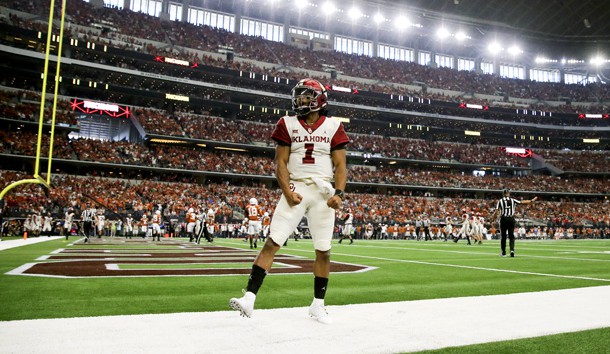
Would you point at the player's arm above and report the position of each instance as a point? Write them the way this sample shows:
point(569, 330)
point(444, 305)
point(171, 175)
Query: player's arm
point(529, 201)
point(282, 154)
point(340, 164)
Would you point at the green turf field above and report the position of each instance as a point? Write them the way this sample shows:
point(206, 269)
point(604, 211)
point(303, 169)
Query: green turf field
point(406, 270)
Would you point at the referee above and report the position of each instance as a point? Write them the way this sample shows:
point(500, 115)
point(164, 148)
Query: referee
point(506, 208)
point(87, 217)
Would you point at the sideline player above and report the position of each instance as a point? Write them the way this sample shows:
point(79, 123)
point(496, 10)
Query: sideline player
point(310, 152)
point(191, 222)
point(348, 220)
point(447, 229)
point(156, 225)
point(128, 226)
point(266, 224)
point(254, 214)
point(464, 230)
point(68, 220)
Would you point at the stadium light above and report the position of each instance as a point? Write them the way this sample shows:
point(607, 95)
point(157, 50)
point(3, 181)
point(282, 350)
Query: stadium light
point(378, 18)
point(514, 50)
point(442, 33)
point(354, 13)
point(461, 36)
point(543, 60)
point(494, 47)
point(401, 22)
point(299, 4)
point(330, 8)
point(597, 61)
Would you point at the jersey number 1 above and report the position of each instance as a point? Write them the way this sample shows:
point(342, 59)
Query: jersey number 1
point(309, 154)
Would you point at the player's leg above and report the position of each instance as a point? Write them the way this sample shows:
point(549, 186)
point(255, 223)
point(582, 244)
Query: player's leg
point(190, 228)
point(321, 222)
point(503, 235)
point(511, 237)
point(284, 221)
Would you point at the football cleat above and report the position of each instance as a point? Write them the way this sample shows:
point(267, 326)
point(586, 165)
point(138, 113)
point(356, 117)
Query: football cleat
point(318, 312)
point(244, 304)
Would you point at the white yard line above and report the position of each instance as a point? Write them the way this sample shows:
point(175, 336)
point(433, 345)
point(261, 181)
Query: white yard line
point(485, 253)
point(477, 268)
point(366, 328)
point(465, 266)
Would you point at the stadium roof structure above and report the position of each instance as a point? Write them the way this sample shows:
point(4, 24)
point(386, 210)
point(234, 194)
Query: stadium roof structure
point(560, 27)
point(563, 20)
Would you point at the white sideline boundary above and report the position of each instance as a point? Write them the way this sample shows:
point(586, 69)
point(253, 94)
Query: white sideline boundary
point(8, 244)
point(365, 328)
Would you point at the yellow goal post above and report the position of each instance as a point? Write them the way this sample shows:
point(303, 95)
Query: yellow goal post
point(37, 178)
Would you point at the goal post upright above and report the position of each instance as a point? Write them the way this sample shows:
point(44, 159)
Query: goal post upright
point(37, 178)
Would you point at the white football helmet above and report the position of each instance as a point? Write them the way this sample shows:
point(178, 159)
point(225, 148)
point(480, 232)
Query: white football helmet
point(191, 210)
point(253, 201)
point(266, 214)
point(158, 212)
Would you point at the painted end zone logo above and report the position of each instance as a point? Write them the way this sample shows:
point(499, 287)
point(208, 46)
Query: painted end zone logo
point(163, 259)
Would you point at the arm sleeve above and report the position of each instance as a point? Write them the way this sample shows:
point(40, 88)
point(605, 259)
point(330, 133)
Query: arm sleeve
point(280, 133)
point(340, 139)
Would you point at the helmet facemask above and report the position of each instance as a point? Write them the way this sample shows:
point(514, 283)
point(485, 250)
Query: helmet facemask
point(308, 96)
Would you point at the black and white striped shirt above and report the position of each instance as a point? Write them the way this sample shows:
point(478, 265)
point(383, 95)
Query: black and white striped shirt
point(506, 206)
point(88, 214)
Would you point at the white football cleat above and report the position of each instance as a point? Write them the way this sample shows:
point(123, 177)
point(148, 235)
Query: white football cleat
point(244, 304)
point(318, 311)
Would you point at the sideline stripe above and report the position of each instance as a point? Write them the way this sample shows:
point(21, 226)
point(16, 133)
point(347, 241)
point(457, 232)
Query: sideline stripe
point(392, 327)
point(8, 244)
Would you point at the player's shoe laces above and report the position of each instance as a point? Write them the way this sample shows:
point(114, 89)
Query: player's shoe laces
point(244, 304)
point(318, 311)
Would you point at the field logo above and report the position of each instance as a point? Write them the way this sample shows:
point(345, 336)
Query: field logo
point(163, 259)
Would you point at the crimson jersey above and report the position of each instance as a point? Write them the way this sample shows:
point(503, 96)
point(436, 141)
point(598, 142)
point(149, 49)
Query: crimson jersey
point(310, 145)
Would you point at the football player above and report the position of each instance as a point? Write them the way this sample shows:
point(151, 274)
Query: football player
point(310, 152)
point(266, 223)
point(254, 215)
point(191, 222)
point(128, 226)
point(156, 225)
point(348, 219)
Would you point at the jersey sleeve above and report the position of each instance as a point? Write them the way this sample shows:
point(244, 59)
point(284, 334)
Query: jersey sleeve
point(280, 133)
point(339, 139)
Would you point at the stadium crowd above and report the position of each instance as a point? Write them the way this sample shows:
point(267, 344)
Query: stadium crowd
point(177, 193)
point(128, 30)
point(200, 159)
point(118, 197)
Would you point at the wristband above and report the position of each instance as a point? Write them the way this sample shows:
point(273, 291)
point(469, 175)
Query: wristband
point(339, 193)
